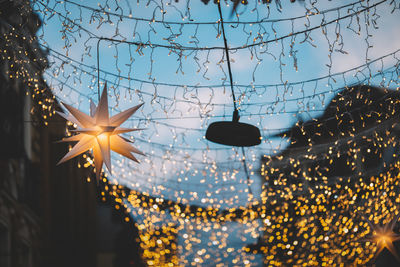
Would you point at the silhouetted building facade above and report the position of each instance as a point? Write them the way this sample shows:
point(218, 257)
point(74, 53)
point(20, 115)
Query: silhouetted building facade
point(49, 215)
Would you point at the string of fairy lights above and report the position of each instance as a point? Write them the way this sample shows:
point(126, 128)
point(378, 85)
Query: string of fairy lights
point(297, 68)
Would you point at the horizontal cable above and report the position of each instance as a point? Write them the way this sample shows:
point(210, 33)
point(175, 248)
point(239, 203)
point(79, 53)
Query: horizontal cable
point(153, 20)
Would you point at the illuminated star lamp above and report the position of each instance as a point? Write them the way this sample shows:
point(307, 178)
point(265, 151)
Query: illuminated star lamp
point(100, 133)
point(384, 236)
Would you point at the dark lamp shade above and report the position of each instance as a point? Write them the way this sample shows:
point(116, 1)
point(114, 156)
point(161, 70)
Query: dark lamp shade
point(232, 133)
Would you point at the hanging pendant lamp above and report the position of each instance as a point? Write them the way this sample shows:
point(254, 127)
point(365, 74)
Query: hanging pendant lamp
point(232, 133)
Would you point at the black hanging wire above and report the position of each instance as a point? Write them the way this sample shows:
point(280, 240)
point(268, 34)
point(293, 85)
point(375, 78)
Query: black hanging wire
point(246, 171)
point(227, 56)
point(98, 67)
point(235, 111)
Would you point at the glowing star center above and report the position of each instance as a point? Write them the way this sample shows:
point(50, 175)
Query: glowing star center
point(383, 238)
point(103, 136)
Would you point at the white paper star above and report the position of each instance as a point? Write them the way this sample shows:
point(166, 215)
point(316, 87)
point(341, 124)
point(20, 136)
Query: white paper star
point(99, 132)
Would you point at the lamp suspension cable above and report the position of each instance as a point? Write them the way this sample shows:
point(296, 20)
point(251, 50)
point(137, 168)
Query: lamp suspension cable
point(227, 59)
point(235, 111)
point(98, 68)
point(98, 63)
